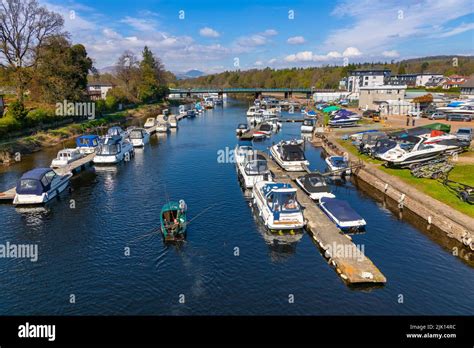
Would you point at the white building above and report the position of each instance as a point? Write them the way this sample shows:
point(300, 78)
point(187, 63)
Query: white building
point(98, 91)
point(366, 78)
point(333, 96)
point(423, 79)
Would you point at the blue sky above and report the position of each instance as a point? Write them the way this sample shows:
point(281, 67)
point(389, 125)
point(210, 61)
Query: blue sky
point(213, 36)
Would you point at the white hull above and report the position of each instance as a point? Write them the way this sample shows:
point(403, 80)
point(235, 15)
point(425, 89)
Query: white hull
point(306, 129)
point(140, 142)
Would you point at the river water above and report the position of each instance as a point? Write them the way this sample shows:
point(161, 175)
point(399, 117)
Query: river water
point(228, 265)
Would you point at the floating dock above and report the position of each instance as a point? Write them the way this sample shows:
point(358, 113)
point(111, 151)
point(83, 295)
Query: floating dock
point(74, 167)
point(349, 262)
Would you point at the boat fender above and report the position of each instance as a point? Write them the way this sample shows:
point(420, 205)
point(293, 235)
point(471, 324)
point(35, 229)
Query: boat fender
point(182, 204)
point(343, 276)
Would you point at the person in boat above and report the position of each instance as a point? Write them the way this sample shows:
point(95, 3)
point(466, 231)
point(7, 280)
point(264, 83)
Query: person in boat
point(290, 204)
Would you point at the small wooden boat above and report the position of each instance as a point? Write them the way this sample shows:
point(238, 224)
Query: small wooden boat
point(173, 221)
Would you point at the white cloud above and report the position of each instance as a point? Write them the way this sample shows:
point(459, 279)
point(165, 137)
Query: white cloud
point(258, 63)
point(376, 25)
point(351, 52)
point(270, 32)
point(272, 61)
point(308, 56)
point(141, 24)
point(458, 30)
point(391, 54)
point(208, 32)
point(260, 39)
point(296, 40)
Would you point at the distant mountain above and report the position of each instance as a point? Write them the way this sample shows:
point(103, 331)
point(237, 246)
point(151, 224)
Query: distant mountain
point(191, 74)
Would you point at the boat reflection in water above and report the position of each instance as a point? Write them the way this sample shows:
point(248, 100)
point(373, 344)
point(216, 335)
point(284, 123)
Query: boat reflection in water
point(282, 245)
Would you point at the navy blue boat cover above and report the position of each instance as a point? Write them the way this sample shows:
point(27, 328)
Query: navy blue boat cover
point(340, 209)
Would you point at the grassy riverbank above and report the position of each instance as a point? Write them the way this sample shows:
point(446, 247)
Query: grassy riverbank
point(463, 173)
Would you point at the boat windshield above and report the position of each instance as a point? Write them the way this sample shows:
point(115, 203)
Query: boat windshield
point(256, 167)
point(265, 127)
point(292, 153)
point(339, 161)
point(317, 181)
point(109, 149)
point(284, 201)
point(136, 134)
point(308, 122)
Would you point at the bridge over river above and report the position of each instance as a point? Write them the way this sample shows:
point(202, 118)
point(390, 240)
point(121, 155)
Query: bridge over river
point(287, 92)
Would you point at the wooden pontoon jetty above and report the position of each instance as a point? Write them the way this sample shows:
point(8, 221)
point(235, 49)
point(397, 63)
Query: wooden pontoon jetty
point(352, 267)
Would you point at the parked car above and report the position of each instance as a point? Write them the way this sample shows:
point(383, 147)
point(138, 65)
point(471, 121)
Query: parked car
point(370, 113)
point(464, 134)
point(458, 117)
point(438, 115)
point(415, 113)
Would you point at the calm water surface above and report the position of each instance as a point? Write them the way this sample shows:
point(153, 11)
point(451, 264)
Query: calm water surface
point(81, 250)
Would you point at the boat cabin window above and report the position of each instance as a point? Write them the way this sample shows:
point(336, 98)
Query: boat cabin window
point(28, 185)
point(136, 134)
point(49, 176)
point(109, 149)
point(256, 167)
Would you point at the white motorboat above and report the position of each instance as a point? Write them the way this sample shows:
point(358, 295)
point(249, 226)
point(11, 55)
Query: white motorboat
point(253, 110)
point(290, 155)
point(338, 164)
point(415, 149)
point(173, 121)
point(65, 157)
point(139, 137)
point(277, 206)
point(114, 150)
point(308, 125)
point(39, 186)
point(150, 123)
point(315, 185)
point(241, 152)
point(253, 169)
point(162, 125)
point(241, 129)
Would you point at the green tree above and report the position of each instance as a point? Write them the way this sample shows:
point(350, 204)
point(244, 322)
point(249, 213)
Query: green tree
point(61, 72)
point(17, 111)
point(152, 77)
point(401, 70)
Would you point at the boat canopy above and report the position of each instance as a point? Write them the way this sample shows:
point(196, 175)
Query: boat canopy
point(331, 108)
point(341, 210)
point(35, 182)
point(87, 141)
point(344, 112)
point(314, 182)
point(338, 161)
point(290, 152)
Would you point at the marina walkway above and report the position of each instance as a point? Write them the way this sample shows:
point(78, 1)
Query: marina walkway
point(350, 263)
